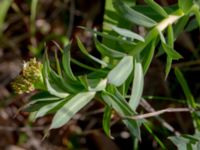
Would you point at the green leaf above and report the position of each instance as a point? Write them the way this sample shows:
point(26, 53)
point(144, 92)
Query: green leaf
point(97, 74)
point(190, 99)
point(121, 71)
point(84, 51)
point(168, 66)
point(100, 86)
point(57, 63)
point(186, 142)
point(148, 127)
point(44, 96)
point(170, 38)
point(132, 15)
point(71, 107)
point(122, 107)
point(197, 13)
point(57, 84)
point(180, 25)
point(52, 86)
point(66, 63)
point(185, 87)
point(127, 33)
point(193, 24)
point(162, 37)
point(107, 36)
point(171, 52)
point(37, 105)
point(156, 7)
point(4, 6)
point(47, 108)
point(185, 5)
point(87, 67)
point(137, 87)
point(106, 120)
point(151, 13)
point(64, 85)
point(94, 85)
point(140, 46)
point(148, 56)
point(106, 51)
point(84, 81)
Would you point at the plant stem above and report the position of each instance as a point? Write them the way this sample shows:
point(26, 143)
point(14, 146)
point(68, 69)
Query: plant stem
point(159, 112)
point(169, 20)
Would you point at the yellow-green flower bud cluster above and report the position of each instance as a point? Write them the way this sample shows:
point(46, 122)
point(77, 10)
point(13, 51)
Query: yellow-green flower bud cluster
point(30, 75)
point(22, 85)
point(32, 70)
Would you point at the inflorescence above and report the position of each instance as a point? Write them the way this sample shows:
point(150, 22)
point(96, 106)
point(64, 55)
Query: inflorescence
point(30, 76)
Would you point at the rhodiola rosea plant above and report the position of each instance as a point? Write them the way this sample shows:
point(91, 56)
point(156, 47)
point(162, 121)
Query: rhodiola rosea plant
point(118, 80)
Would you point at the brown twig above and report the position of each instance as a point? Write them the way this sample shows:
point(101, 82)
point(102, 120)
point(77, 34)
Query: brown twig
point(165, 124)
point(156, 113)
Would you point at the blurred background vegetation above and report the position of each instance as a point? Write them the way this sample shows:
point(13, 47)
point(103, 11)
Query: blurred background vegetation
point(27, 25)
